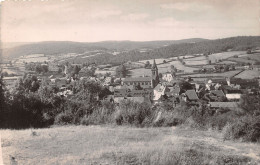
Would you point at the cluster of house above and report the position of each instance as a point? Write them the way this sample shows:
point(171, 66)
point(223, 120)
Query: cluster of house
point(218, 93)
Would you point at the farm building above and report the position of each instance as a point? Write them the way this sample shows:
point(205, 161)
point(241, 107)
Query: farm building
point(230, 105)
point(159, 91)
point(174, 91)
point(190, 96)
point(144, 82)
point(233, 96)
point(227, 89)
point(216, 95)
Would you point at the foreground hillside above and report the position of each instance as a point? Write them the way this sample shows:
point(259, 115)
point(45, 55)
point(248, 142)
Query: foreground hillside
point(123, 145)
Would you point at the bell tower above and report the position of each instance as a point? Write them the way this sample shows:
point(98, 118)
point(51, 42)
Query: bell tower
point(155, 76)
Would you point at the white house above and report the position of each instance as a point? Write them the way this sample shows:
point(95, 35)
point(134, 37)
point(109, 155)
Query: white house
point(233, 96)
point(168, 77)
point(159, 91)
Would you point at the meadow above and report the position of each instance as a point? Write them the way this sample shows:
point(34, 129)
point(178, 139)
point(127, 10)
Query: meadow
point(225, 74)
point(202, 60)
point(248, 74)
point(241, 60)
point(124, 145)
point(255, 56)
point(162, 68)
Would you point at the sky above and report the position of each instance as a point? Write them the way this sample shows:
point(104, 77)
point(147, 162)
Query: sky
point(136, 20)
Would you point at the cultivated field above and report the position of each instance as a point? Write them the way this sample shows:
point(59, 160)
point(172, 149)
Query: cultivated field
point(241, 60)
point(227, 62)
point(255, 56)
point(197, 62)
point(224, 55)
point(248, 74)
point(162, 68)
point(225, 74)
point(202, 60)
point(123, 145)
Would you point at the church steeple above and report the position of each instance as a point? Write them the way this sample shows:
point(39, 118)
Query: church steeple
point(155, 76)
point(154, 65)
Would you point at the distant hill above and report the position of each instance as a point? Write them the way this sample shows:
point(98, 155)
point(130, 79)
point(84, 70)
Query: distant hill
point(130, 45)
point(209, 46)
point(49, 48)
point(60, 47)
point(156, 49)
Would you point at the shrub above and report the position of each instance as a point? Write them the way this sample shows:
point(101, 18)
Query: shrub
point(220, 120)
point(86, 121)
point(166, 119)
point(64, 118)
point(198, 116)
point(133, 113)
point(246, 128)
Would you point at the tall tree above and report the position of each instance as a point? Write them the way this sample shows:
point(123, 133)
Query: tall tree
point(121, 71)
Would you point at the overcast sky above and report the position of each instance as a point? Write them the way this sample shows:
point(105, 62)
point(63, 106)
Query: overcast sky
point(138, 20)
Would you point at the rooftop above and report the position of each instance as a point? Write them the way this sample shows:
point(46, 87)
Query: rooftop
point(134, 79)
point(191, 94)
point(223, 104)
point(218, 93)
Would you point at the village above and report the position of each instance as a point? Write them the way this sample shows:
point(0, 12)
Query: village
point(173, 85)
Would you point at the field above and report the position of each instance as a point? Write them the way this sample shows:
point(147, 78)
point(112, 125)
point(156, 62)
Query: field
point(241, 60)
point(162, 68)
point(197, 62)
point(123, 145)
point(202, 60)
point(32, 58)
point(224, 55)
point(225, 74)
point(227, 62)
point(255, 56)
point(248, 74)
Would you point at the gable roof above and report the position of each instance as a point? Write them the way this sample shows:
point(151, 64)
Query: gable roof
point(134, 79)
point(233, 96)
point(191, 94)
point(223, 104)
point(218, 93)
point(160, 88)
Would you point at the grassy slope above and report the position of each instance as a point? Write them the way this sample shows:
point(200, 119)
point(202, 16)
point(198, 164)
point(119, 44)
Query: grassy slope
point(123, 145)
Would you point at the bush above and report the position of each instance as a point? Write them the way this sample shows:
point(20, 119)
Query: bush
point(166, 119)
point(64, 118)
point(129, 112)
point(246, 128)
point(219, 120)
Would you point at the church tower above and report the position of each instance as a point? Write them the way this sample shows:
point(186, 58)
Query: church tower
point(155, 76)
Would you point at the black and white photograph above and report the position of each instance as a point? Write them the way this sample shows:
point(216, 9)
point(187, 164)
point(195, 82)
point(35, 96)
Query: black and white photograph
point(129, 82)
